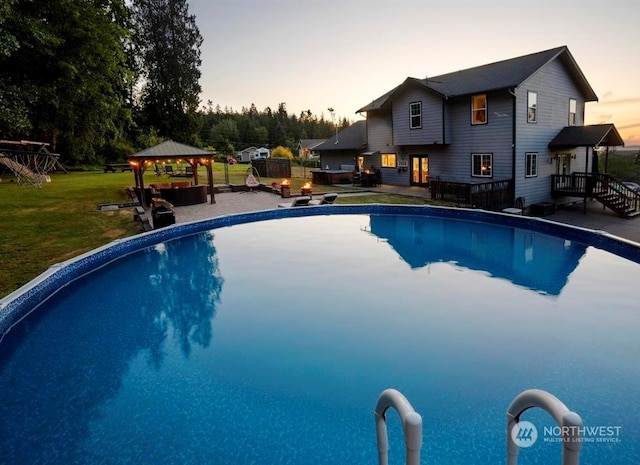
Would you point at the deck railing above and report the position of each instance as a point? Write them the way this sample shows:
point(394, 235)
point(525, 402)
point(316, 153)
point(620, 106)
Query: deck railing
point(603, 187)
point(492, 195)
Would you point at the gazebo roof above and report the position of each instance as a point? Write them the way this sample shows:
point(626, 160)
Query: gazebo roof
point(170, 149)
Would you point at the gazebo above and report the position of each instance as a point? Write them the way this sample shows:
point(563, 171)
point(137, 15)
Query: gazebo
point(169, 151)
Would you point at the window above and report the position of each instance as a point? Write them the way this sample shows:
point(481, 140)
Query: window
point(532, 107)
point(415, 115)
point(388, 160)
point(482, 165)
point(479, 109)
point(572, 112)
point(531, 160)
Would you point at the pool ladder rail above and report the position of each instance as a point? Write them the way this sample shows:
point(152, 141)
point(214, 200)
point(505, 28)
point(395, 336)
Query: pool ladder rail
point(569, 422)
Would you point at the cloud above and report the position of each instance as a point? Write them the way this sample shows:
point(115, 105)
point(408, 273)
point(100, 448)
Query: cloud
point(628, 126)
point(604, 118)
point(623, 101)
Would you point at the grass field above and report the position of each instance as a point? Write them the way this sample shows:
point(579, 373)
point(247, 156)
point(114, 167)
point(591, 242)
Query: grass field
point(43, 226)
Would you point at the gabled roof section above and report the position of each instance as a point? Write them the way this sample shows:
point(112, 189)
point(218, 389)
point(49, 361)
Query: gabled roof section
point(380, 101)
point(595, 135)
point(353, 137)
point(170, 149)
point(310, 143)
point(506, 74)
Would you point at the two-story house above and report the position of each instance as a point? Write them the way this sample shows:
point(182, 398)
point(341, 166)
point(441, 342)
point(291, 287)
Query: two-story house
point(507, 127)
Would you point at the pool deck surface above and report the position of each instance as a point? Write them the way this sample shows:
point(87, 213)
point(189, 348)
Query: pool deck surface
point(596, 217)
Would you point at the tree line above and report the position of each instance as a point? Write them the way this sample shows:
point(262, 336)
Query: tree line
point(101, 79)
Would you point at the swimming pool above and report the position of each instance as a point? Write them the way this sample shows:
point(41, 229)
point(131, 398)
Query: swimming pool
point(238, 341)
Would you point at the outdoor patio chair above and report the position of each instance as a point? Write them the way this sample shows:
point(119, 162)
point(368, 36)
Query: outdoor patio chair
point(326, 199)
point(302, 201)
point(517, 209)
point(168, 169)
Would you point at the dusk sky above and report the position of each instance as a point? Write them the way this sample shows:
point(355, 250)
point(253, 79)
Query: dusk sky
point(314, 54)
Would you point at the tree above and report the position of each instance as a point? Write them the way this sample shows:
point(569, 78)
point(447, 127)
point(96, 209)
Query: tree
point(168, 43)
point(63, 75)
point(281, 152)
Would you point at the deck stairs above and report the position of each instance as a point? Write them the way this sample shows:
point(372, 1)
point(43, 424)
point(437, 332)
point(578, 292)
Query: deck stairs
point(606, 189)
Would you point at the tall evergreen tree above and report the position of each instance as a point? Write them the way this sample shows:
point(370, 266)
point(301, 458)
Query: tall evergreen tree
point(63, 74)
point(168, 42)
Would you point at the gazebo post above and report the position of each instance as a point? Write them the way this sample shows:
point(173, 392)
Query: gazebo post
point(140, 182)
point(194, 167)
point(210, 179)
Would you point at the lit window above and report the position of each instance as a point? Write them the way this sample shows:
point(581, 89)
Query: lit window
point(479, 109)
point(415, 114)
point(532, 107)
point(572, 112)
point(482, 165)
point(531, 160)
point(388, 160)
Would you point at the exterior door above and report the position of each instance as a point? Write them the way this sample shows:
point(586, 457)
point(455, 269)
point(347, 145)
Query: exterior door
point(420, 170)
point(563, 163)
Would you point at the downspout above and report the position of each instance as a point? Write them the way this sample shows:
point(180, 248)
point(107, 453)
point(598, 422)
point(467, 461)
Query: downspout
point(444, 123)
point(513, 142)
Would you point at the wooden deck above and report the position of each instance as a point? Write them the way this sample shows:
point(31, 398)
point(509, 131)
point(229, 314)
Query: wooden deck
point(492, 195)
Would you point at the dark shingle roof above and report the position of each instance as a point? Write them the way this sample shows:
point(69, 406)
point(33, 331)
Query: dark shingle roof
point(505, 74)
point(353, 137)
point(170, 149)
point(587, 136)
point(310, 143)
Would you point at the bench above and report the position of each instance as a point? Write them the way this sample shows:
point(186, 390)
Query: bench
point(113, 167)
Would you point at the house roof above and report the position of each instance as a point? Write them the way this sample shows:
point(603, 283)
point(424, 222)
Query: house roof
point(506, 74)
point(170, 149)
point(587, 136)
point(310, 143)
point(353, 137)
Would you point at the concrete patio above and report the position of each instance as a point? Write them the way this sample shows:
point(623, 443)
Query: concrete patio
point(596, 217)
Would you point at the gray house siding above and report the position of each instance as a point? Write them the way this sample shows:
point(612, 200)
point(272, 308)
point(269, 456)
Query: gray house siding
point(454, 161)
point(449, 139)
point(554, 88)
point(432, 129)
point(380, 139)
point(335, 160)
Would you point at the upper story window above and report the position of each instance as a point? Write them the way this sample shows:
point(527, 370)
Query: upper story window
point(415, 115)
point(572, 111)
point(482, 165)
point(532, 107)
point(388, 160)
point(479, 109)
point(531, 161)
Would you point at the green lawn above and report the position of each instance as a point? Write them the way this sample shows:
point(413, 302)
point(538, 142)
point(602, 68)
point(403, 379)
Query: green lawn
point(44, 226)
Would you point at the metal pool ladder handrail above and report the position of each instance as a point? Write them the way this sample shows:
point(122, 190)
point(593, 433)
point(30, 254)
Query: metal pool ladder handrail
point(569, 422)
point(411, 424)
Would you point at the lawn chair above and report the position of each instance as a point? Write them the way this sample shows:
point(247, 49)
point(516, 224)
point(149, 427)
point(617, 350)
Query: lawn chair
point(169, 170)
point(327, 199)
point(517, 209)
point(302, 201)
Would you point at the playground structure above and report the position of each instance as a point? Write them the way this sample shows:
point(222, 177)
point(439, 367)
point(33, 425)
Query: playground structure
point(29, 161)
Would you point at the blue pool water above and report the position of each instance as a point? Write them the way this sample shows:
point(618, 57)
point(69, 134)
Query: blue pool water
point(269, 343)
